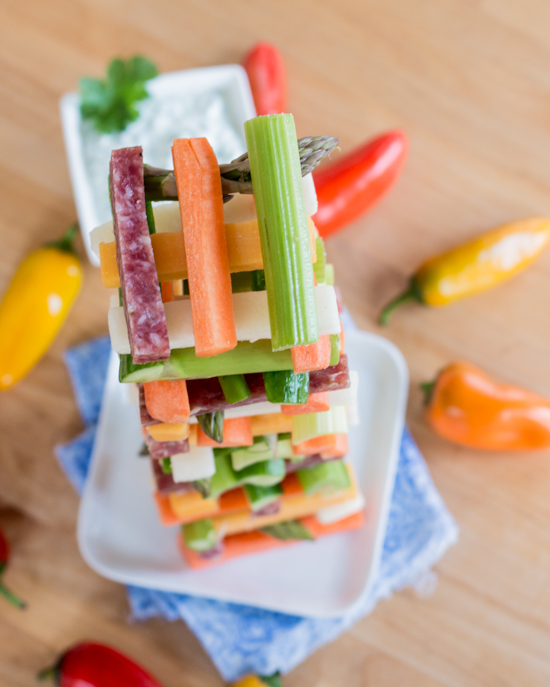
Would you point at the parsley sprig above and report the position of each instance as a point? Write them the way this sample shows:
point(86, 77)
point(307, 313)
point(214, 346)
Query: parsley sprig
point(110, 103)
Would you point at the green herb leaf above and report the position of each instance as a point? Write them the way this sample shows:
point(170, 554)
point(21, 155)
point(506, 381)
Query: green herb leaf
point(212, 425)
point(143, 451)
point(110, 103)
point(291, 529)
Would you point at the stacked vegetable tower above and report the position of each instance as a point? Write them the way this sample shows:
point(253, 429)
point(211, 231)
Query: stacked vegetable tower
point(227, 320)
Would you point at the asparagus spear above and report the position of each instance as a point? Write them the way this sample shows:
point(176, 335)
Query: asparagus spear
point(160, 184)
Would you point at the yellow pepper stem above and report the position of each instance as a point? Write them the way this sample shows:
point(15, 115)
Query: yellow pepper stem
point(413, 293)
point(65, 243)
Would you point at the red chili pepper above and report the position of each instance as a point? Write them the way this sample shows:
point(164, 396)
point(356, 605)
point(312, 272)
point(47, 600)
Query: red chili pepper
point(352, 185)
point(266, 73)
point(97, 665)
point(4, 558)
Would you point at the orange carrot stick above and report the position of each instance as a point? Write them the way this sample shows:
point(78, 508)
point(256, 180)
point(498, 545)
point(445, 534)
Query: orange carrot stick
point(317, 529)
point(167, 401)
point(313, 357)
point(329, 444)
point(316, 403)
point(201, 206)
point(236, 432)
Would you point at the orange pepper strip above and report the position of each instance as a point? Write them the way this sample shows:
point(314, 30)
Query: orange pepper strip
point(467, 407)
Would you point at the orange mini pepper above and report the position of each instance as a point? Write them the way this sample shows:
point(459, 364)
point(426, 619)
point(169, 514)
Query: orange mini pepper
point(466, 406)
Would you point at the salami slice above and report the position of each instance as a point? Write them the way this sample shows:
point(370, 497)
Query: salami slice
point(165, 449)
point(141, 296)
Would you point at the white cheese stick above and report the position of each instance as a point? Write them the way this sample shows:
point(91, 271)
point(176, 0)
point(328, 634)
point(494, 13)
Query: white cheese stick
point(197, 463)
point(251, 319)
point(168, 218)
point(332, 514)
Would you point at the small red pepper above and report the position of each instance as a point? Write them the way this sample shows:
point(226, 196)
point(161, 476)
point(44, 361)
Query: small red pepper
point(4, 558)
point(352, 185)
point(96, 665)
point(266, 73)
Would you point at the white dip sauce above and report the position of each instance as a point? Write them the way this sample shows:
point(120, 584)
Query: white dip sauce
point(162, 118)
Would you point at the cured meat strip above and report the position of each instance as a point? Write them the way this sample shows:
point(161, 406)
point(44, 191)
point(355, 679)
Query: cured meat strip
point(206, 395)
point(144, 415)
point(165, 449)
point(141, 296)
point(165, 483)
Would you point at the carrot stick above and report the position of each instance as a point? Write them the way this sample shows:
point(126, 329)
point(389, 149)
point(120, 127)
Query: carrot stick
point(201, 206)
point(167, 401)
point(317, 529)
point(329, 444)
point(234, 500)
point(236, 432)
point(316, 356)
point(316, 403)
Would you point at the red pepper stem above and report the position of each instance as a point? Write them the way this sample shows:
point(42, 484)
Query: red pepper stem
point(65, 243)
point(16, 601)
point(411, 294)
point(427, 388)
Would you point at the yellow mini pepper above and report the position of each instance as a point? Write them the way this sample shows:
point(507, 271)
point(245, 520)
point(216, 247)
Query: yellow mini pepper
point(35, 305)
point(476, 266)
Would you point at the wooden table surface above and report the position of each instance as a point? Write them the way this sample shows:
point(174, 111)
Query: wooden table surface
point(470, 84)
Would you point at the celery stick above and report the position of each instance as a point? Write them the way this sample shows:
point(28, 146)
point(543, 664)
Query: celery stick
point(246, 358)
point(334, 350)
point(260, 497)
point(284, 230)
point(264, 474)
point(166, 465)
point(234, 388)
point(329, 274)
point(320, 265)
point(224, 479)
point(150, 217)
point(311, 425)
point(200, 535)
point(286, 387)
point(325, 478)
point(147, 372)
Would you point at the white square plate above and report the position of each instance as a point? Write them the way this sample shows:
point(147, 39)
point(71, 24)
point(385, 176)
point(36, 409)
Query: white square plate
point(120, 535)
point(219, 102)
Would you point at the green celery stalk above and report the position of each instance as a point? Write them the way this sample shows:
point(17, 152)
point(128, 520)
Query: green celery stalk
point(150, 217)
point(264, 474)
point(200, 535)
point(284, 230)
point(286, 387)
point(311, 425)
point(320, 265)
point(224, 479)
point(234, 387)
point(246, 358)
point(329, 274)
point(334, 350)
point(166, 465)
point(326, 478)
point(260, 497)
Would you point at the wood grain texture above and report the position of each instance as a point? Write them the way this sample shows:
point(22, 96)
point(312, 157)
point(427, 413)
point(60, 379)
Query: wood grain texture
point(469, 82)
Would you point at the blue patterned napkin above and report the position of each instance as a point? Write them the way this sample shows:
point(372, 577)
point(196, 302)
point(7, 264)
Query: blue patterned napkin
point(244, 639)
